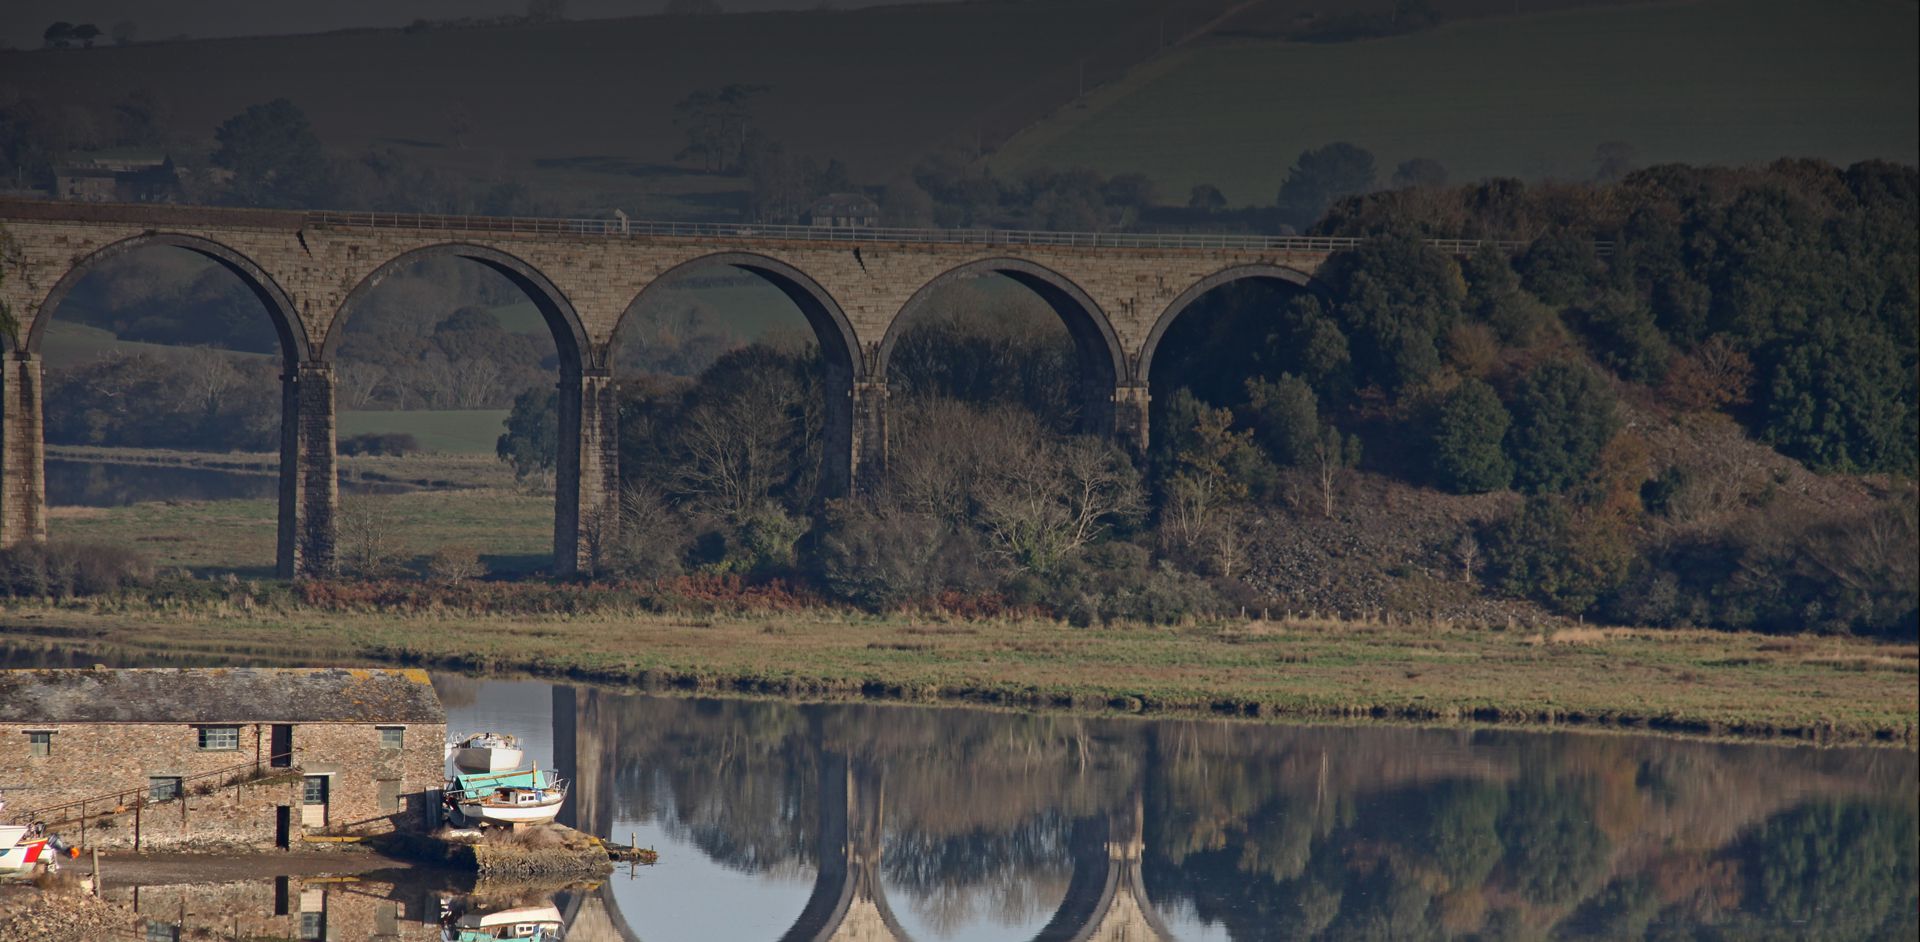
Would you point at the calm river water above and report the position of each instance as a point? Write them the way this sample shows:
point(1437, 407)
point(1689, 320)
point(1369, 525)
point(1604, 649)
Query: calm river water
point(777, 820)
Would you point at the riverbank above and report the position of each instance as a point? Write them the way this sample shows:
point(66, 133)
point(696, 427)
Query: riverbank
point(1698, 682)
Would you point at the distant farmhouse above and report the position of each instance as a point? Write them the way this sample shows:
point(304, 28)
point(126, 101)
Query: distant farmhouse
point(116, 178)
point(844, 211)
point(159, 759)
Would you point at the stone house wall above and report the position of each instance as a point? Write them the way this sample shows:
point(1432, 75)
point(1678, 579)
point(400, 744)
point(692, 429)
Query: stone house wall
point(283, 908)
point(371, 789)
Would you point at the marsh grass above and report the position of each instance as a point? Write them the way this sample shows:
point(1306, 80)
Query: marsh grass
point(1681, 680)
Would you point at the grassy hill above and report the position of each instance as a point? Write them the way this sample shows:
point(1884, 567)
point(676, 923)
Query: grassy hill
point(1720, 81)
point(587, 108)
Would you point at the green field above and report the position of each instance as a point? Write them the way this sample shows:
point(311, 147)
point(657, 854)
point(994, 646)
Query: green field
point(453, 431)
point(1720, 81)
point(69, 344)
point(512, 529)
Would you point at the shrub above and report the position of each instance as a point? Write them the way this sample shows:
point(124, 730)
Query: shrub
point(455, 564)
point(69, 570)
point(1116, 582)
point(1466, 447)
point(394, 444)
point(1620, 333)
point(882, 561)
point(1285, 417)
point(1561, 559)
point(1563, 414)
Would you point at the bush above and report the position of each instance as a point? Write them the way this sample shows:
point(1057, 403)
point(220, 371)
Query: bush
point(69, 570)
point(375, 444)
point(1620, 333)
point(1563, 414)
point(1285, 417)
point(1563, 560)
point(883, 561)
point(1116, 582)
point(1466, 447)
point(455, 564)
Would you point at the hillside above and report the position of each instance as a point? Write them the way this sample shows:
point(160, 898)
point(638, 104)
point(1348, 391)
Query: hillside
point(1719, 81)
point(586, 109)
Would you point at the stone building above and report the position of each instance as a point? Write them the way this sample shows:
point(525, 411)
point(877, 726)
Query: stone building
point(153, 759)
point(844, 211)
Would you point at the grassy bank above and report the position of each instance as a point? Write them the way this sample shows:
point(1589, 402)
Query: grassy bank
point(1689, 681)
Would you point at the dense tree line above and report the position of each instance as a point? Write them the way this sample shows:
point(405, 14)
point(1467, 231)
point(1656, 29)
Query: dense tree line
point(1533, 372)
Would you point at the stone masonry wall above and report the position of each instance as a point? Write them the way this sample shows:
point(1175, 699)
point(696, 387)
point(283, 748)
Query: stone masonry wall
point(283, 909)
point(371, 789)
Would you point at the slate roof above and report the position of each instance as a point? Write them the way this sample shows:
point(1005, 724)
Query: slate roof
point(219, 695)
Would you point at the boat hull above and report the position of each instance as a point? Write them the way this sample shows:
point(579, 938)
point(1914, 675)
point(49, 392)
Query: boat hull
point(487, 758)
point(511, 814)
point(19, 855)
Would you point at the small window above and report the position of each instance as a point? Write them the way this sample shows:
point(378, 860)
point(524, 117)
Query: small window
point(313, 925)
point(163, 787)
point(313, 790)
point(219, 738)
point(393, 737)
point(162, 931)
point(39, 742)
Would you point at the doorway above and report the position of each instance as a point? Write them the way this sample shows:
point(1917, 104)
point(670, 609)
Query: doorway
point(280, 746)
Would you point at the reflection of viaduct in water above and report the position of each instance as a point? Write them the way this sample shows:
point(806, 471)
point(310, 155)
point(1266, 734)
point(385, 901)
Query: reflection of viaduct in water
point(593, 916)
point(1106, 898)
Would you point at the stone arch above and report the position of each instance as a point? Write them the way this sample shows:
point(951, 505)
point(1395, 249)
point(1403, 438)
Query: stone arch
point(838, 342)
point(569, 335)
point(586, 467)
point(280, 308)
point(839, 347)
point(1103, 363)
point(1143, 370)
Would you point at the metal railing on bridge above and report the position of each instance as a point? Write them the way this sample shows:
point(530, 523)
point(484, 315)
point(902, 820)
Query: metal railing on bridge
point(635, 228)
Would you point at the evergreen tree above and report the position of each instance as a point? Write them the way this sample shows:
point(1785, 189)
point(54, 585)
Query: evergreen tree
point(1467, 444)
point(1563, 415)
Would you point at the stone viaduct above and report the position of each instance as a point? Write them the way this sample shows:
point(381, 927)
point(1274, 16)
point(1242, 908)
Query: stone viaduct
point(1116, 294)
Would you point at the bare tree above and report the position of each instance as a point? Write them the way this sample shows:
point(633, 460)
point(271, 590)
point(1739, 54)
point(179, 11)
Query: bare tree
point(366, 538)
point(455, 564)
point(1333, 453)
point(736, 447)
point(1466, 552)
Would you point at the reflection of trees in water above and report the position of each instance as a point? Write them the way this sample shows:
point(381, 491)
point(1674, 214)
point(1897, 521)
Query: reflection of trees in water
point(1277, 835)
point(1288, 832)
point(1007, 877)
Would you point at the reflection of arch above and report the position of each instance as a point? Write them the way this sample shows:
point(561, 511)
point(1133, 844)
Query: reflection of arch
point(1107, 894)
point(1103, 364)
point(594, 916)
point(1200, 288)
point(847, 900)
point(568, 335)
point(838, 343)
point(286, 318)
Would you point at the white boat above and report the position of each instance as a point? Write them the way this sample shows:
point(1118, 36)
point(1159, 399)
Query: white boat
point(523, 922)
point(487, 752)
point(524, 797)
point(20, 852)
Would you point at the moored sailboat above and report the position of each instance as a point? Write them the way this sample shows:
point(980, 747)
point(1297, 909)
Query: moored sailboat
point(523, 797)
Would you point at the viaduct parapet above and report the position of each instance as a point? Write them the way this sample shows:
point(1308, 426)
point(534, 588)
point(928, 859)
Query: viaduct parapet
point(1116, 294)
